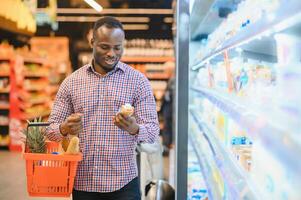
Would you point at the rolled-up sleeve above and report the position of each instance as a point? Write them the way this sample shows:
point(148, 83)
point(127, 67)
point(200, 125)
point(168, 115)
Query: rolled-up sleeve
point(62, 108)
point(145, 113)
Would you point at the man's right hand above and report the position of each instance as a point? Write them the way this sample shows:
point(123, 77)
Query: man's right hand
point(72, 125)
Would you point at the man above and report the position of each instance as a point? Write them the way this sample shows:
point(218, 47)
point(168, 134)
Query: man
point(87, 104)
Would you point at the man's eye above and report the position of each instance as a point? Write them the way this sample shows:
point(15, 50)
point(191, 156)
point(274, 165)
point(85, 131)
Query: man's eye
point(117, 48)
point(104, 47)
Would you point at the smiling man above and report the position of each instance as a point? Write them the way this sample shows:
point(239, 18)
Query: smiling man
point(87, 104)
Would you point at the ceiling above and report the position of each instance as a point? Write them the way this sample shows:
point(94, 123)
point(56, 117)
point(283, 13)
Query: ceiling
point(155, 16)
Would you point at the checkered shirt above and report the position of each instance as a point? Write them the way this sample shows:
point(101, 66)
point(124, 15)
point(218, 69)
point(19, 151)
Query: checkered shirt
point(109, 160)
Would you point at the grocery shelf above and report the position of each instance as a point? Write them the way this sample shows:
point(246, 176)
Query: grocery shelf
point(4, 74)
point(35, 74)
point(205, 166)
point(34, 88)
point(5, 58)
point(40, 61)
point(5, 90)
point(204, 17)
point(236, 178)
point(147, 59)
point(4, 124)
point(279, 141)
point(4, 107)
point(288, 14)
point(32, 117)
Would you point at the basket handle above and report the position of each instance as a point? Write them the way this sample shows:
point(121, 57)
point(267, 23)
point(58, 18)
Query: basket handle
point(31, 124)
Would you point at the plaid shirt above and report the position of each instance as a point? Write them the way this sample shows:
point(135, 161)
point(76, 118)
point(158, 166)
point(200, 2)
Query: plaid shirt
point(109, 160)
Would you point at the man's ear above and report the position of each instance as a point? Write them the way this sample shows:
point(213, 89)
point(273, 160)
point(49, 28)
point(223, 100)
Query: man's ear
point(91, 42)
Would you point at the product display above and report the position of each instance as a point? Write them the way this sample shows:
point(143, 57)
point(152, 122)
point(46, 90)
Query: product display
point(5, 82)
point(245, 103)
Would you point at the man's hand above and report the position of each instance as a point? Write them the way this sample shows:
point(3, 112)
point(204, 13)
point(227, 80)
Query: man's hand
point(72, 125)
point(126, 123)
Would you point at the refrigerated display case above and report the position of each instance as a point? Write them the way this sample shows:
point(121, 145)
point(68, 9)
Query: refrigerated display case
point(244, 97)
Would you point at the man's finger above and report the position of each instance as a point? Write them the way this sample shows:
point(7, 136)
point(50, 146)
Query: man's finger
point(123, 120)
point(121, 123)
point(74, 119)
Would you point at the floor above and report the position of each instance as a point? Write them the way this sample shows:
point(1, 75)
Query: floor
point(13, 178)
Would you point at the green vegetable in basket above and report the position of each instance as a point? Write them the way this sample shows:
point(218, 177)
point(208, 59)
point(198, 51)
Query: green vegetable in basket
point(35, 138)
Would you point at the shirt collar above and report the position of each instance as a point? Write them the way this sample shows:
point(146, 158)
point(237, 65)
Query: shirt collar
point(119, 65)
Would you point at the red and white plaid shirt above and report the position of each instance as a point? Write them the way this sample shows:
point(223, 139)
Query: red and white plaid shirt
point(109, 160)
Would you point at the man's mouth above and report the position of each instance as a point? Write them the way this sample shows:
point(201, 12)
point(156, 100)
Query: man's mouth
point(110, 61)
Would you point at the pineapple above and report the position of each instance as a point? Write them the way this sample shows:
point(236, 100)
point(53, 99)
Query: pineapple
point(35, 138)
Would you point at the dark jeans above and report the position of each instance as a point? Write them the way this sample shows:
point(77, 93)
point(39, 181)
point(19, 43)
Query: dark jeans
point(131, 191)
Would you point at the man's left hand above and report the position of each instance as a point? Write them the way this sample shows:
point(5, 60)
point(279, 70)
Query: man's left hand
point(126, 123)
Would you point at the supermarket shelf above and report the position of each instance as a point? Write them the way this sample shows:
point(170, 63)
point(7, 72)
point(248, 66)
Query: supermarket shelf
point(4, 74)
point(52, 89)
point(205, 167)
point(31, 117)
point(158, 78)
point(35, 74)
point(32, 89)
point(147, 59)
point(236, 178)
point(4, 124)
point(3, 144)
point(32, 102)
point(204, 16)
point(288, 14)
point(34, 60)
point(259, 127)
point(5, 90)
point(4, 107)
point(5, 58)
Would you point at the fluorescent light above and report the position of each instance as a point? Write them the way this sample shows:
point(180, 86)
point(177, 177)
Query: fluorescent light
point(94, 5)
point(114, 11)
point(168, 20)
point(93, 19)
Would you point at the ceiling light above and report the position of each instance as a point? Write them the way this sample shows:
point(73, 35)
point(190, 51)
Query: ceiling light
point(114, 11)
point(94, 5)
point(168, 20)
point(93, 19)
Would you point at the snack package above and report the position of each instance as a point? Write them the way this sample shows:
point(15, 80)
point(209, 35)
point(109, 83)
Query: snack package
point(73, 147)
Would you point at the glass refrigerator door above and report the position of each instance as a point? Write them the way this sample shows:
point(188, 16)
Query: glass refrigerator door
point(244, 97)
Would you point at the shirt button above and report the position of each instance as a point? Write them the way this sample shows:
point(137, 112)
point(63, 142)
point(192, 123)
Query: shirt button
point(95, 167)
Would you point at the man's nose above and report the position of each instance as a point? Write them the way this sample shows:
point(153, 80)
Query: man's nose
point(111, 52)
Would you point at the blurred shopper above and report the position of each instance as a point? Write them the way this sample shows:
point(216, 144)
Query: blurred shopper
point(168, 113)
point(87, 105)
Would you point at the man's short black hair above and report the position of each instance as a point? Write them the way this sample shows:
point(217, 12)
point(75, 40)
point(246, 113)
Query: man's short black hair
point(110, 22)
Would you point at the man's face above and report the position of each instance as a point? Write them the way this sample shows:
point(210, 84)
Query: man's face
point(107, 47)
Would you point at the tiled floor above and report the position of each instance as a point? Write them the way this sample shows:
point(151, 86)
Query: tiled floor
point(13, 178)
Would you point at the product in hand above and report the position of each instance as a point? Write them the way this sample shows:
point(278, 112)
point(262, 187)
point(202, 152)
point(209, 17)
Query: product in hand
point(127, 110)
point(73, 147)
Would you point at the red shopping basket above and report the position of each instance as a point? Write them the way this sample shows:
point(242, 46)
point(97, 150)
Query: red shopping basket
point(50, 175)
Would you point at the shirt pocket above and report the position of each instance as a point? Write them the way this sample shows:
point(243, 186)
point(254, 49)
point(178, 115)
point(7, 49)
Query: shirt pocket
point(118, 99)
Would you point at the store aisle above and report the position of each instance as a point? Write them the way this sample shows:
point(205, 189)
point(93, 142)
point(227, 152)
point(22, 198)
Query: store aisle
point(13, 178)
